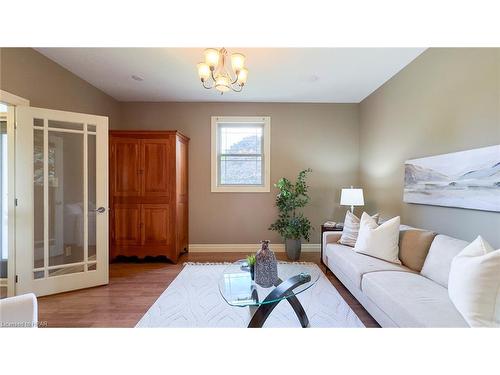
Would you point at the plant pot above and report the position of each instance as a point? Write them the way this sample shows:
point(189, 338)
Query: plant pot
point(252, 271)
point(293, 248)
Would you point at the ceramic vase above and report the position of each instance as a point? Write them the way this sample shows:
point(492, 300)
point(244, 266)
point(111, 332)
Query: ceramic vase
point(266, 266)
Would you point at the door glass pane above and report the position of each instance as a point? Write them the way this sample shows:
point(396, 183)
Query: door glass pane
point(92, 196)
point(38, 198)
point(66, 215)
point(92, 267)
point(65, 270)
point(65, 125)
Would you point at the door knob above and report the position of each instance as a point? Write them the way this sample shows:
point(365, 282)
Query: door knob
point(100, 210)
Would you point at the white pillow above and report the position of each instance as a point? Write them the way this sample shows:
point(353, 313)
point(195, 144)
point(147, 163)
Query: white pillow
point(379, 241)
point(474, 284)
point(351, 229)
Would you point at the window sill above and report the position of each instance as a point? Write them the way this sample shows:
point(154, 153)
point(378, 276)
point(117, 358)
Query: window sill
point(240, 189)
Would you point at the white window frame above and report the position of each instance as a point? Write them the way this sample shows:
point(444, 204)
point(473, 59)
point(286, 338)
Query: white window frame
point(266, 173)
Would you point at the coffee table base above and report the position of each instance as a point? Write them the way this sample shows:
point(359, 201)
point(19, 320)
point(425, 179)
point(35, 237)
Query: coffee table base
point(264, 310)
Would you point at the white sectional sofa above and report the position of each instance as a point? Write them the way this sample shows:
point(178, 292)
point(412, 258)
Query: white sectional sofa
point(395, 295)
point(19, 311)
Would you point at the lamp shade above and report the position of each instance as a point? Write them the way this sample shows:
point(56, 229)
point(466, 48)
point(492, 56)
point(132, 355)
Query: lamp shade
point(212, 57)
point(242, 76)
point(203, 71)
point(237, 61)
point(222, 83)
point(352, 197)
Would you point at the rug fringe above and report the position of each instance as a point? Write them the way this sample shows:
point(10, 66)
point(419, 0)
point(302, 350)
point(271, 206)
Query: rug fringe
point(295, 262)
point(205, 263)
point(228, 263)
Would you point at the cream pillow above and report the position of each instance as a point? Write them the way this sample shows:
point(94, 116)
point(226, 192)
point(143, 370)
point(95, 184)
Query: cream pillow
point(379, 241)
point(351, 229)
point(474, 284)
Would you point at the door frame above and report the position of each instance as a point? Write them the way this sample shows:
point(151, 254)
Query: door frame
point(25, 215)
point(12, 101)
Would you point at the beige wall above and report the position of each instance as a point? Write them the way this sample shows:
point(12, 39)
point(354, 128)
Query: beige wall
point(446, 100)
point(321, 136)
point(27, 73)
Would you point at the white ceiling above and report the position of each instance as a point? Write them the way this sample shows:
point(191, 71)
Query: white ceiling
point(321, 75)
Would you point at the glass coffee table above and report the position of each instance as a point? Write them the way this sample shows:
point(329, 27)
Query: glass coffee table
point(238, 289)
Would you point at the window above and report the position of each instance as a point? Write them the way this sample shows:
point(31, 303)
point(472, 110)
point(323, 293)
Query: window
point(241, 154)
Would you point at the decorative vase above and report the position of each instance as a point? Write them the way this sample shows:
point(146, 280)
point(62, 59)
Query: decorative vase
point(266, 266)
point(293, 248)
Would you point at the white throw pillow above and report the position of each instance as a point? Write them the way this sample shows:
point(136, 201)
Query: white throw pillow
point(351, 229)
point(379, 241)
point(474, 284)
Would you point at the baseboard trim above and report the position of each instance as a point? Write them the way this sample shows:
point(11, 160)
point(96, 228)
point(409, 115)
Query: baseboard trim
point(247, 248)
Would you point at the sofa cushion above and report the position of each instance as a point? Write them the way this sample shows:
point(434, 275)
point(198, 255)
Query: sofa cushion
point(351, 229)
point(411, 300)
point(474, 284)
point(355, 265)
point(414, 246)
point(379, 241)
point(438, 262)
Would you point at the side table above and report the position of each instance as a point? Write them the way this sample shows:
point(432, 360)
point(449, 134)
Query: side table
point(323, 230)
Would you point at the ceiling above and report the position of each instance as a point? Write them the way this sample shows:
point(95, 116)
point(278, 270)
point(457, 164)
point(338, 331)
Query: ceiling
point(311, 75)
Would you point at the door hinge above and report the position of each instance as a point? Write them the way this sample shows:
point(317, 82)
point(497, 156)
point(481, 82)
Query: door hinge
point(15, 202)
point(17, 278)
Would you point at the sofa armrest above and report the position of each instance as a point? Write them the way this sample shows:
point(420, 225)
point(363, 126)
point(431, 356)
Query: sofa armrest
point(329, 237)
point(19, 311)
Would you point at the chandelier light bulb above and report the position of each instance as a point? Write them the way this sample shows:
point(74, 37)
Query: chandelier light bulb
point(203, 71)
point(222, 83)
point(242, 76)
point(237, 62)
point(212, 57)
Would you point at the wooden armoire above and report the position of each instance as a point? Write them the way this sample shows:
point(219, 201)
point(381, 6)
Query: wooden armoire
point(148, 173)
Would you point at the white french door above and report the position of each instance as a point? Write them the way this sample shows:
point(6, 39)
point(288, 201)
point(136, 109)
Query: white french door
point(62, 200)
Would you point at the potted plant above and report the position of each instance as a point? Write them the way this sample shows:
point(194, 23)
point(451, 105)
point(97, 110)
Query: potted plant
point(251, 265)
point(291, 224)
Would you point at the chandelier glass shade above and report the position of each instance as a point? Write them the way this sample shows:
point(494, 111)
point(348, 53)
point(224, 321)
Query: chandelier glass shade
point(214, 72)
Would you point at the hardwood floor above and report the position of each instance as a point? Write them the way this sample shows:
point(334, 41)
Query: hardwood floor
point(134, 287)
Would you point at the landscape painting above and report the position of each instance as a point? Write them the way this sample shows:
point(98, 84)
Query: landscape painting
point(466, 179)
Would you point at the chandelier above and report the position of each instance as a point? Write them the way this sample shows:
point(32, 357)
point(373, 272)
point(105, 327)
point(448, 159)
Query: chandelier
point(214, 73)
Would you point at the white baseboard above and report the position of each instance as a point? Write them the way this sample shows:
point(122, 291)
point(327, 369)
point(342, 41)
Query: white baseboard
point(247, 248)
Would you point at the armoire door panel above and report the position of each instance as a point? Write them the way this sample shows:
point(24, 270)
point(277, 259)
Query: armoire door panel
point(127, 224)
point(182, 178)
point(156, 224)
point(155, 167)
point(126, 160)
point(182, 196)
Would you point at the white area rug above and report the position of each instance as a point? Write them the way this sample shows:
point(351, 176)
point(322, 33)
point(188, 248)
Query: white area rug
point(193, 300)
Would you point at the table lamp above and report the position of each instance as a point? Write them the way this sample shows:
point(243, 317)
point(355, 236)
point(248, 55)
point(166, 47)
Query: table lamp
point(352, 197)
